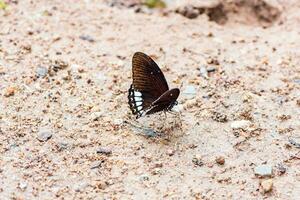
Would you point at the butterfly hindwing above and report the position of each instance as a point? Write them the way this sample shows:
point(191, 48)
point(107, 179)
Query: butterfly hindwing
point(138, 102)
point(165, 102)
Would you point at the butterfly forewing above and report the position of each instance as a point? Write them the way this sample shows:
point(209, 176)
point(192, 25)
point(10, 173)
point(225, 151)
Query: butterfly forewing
point(147, 77)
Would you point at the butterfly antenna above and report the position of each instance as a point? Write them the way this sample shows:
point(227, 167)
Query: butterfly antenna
point(181, 85)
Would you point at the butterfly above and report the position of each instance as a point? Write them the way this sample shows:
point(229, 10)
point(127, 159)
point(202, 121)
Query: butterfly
point(149, 93)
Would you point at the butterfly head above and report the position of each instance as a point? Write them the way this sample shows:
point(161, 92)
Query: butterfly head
point(172, 104)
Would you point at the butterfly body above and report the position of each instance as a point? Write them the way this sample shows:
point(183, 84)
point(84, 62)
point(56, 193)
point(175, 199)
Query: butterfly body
point(149, 93)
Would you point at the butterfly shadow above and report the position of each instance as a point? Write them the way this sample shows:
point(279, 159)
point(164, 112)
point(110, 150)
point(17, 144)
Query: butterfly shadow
point(159, 125)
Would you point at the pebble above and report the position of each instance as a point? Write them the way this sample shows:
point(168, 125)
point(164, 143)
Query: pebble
point(58, 65)
point(96, 115)
point(211, 69)
point(220, 160)
point(178, 108)
point(62, 146)
point(170, 152)
point(23, 186)
point(240, 124)
point(281, 169)
point(189, 11)
point(297, 81)
point(203, 72)
point(44, 135)
point(263, 170)
point(190, 91)
point(156, 171)
point(10, 91)
point(96, 164)
point(87, 38)
point(219, 117)
point(104, 150)
point(197, 160)
point(294, 142)
point(41, 71)
point(267, 185)
point(144, 177)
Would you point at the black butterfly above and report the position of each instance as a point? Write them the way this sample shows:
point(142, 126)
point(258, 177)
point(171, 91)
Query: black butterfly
point(149, 93)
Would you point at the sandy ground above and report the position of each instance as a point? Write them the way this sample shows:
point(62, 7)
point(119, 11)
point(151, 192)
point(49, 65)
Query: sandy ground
point(65, 67)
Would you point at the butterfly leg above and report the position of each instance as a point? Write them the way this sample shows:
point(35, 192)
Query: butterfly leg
point(164, 120)
point(178, 117)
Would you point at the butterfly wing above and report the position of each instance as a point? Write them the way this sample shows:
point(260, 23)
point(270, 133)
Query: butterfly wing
point(164, 102)
point(147, 76)
point(148, 85)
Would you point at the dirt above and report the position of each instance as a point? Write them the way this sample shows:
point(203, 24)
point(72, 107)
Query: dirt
point(66, 130)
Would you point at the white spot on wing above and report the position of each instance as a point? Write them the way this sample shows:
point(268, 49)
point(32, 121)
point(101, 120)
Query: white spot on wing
point(138, 103)
point(137, 94)
point(138, 98)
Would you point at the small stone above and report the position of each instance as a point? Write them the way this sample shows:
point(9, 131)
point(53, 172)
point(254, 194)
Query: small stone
point(295, 142)
point(62, 146)
point(280, 169)
point(104, 150)
point(219, 117)
point(178, 108)
point(58, 65)
point(220, 160)
point(170, 152)
point(87, 38)
point(242, 124)
point(100, 185)
point(190, 91)
point(96, 164)
point(23, 186)
point(267, 185)
point(96, 115)
point(41, 71)
point(44, 135)
point(10, 91)
point(189, 11)
point(156, 171)
point(263, 170)
point(212, 61)
point(203, 72)
point(81, 70)
point(197, 160)
point(211, 69)
point(144, 177)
